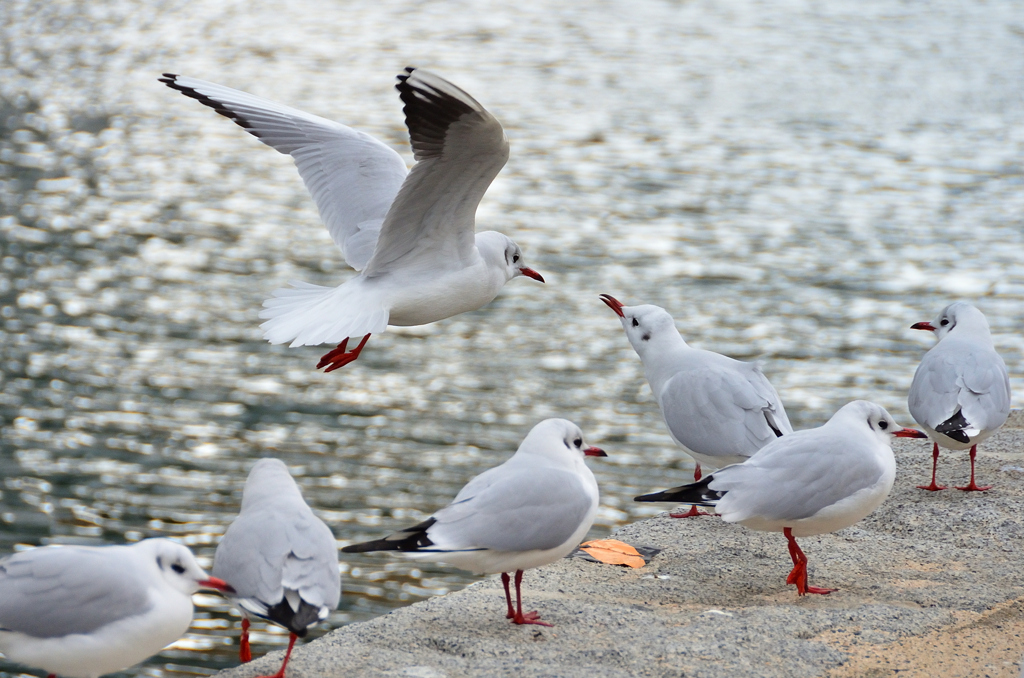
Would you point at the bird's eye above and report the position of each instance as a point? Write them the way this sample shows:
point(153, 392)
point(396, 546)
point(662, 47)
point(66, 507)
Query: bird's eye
point(883, 424)
point(178, 568)
point(515, 258)
point(944, 322)
point(578, 442)
point(636, 323)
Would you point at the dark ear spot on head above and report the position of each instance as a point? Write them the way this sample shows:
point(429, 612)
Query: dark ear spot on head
point(566, 443)
point(646, 337)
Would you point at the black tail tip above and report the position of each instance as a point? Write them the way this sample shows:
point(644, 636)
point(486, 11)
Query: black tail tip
point(654, 496)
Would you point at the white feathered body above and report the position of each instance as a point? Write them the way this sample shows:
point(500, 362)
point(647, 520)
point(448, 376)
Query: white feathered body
point(961, 373)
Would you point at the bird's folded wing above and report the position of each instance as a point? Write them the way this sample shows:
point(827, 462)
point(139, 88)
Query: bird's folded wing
point(352, 177)
point(974, 382)
point(718, 412)
point(264, 551)
point(311, 567)
point(459, 148)
point(795, 477)
point(520, 510)
point(51, 592)
point(985, 396)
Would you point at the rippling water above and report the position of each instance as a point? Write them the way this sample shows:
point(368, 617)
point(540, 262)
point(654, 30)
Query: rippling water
point(796, 182)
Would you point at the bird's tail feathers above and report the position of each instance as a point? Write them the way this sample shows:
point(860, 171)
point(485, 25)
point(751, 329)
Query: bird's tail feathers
point(308, 315)
point(695, 493)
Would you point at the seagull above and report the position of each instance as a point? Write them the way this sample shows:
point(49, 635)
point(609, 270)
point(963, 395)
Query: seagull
point(280, 559)
point(84, 611)
point(719, 410)
point(532, 510)
point(411, 235)
point(808, 482)
point(961, 390)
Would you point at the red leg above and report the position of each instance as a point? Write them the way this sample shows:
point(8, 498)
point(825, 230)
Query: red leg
point(244, 652)
point(511, 614)
point(287, 656)
point(693, 512)
point(529, 617)
point(973, 487)
point(935, 463)
point(798, 576)
point(338, 357)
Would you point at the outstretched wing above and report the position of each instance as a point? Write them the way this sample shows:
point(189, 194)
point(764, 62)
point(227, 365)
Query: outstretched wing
point(353, 177)
point(459, 148)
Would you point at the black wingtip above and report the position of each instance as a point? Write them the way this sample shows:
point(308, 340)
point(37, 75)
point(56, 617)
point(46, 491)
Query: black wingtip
point(953, 428)
point(171, 80)
point(695, 493)
point(410, 539)
point(296, 621)
point(402, 77)
point(429, 112)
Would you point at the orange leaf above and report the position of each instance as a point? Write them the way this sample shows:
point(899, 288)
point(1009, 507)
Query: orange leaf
point(614, 552)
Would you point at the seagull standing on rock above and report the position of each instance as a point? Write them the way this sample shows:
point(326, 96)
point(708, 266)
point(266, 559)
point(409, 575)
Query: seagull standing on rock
point(805, 483)
point(532, 510)
point(280, 559)
point(961, 390)
point(412, 235)
point(85, 611)
point(719, 410)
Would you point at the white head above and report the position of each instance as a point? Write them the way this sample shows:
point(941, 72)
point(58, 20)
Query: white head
point(959, 314)
point(646, 326)
point(501, 252)
point(875, 418)
point(177, 566)
point(558, 440)
point(268, 480)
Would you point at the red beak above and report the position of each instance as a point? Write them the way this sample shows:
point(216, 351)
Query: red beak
point(216, 584)
point(530, 273)
point(594, 452)
point(909, 433)
point(923, 326)
point(613, 303)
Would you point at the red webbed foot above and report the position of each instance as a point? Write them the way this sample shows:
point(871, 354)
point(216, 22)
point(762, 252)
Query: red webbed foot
point(931, 488)
point(692, 513)
point(339, 357)
point(973, 487)
point(529, 618)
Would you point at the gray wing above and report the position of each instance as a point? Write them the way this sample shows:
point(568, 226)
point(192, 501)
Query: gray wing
point(352, 177)
point(459, 148)
point(263, 551)
point(972, 381)
point(723, 410)
point(795, 477)
point(513, 509)
point(51, 592)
